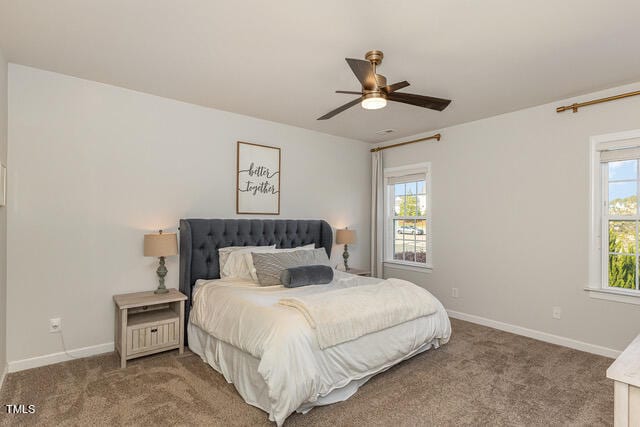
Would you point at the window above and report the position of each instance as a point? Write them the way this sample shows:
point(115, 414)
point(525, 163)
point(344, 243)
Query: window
point(615, 219)
point(620, 219)
point(408, 216)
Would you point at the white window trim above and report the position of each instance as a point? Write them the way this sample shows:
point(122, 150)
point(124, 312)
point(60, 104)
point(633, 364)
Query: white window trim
point(596, 286)
point(409, 266)
point(422, 168)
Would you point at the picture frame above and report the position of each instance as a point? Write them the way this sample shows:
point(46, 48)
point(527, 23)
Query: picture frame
point(258, 171)
point(3, 185)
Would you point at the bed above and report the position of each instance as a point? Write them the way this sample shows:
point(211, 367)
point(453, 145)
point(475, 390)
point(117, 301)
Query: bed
point(270, 352)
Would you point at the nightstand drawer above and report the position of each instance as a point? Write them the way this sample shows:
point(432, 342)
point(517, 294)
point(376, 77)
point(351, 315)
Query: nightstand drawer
point(144, 336)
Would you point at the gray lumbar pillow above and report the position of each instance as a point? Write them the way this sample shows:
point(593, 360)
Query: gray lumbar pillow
point(306, 275)
point(269, 266)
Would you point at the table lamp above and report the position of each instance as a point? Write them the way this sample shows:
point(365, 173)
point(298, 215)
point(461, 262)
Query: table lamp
point(345, 237)
point(161, 245)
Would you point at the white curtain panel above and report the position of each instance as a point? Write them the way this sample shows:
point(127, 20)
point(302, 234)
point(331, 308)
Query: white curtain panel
point(377, 213)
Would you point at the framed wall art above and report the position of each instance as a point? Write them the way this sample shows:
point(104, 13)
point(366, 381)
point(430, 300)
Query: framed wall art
point(257, 179)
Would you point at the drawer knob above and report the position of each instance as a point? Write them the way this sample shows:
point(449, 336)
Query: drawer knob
point(154, 330)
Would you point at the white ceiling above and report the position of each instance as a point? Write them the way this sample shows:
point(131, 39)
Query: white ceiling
point(282, 60)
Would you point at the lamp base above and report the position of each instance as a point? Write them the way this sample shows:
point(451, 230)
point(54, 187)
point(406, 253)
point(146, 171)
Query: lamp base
point(345, 256)
point(161, 271)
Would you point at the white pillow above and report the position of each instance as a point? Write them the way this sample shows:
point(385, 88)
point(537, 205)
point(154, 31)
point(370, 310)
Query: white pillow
point(249, 258)
point(236, 265)
point(223, 254)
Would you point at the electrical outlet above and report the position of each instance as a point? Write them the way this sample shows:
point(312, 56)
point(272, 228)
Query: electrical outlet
point(454, 292)
point(557, 312)
point(55, 325)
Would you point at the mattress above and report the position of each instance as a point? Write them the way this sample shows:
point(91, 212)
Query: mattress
point(270, 354)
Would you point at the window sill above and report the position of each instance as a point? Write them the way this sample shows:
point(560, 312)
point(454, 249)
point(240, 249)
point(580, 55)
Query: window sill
point(614, 295)
point(410, 267)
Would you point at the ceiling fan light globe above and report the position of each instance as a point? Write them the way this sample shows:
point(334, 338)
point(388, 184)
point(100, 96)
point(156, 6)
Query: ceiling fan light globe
point(374, 103)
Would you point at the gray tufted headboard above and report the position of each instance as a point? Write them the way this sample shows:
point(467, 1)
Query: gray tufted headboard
point(200, 240)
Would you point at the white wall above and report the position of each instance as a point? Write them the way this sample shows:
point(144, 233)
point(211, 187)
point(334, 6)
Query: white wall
point(3, 219)
point(94, 167)
point(510, 219)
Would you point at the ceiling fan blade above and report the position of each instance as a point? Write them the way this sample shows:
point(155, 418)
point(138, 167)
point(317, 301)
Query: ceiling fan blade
point(363, 71)
point(438, 104)
point(394, 87)
point(341, 109)
point(349, 92)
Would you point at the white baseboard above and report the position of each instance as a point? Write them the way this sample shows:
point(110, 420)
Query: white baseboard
point(538, 335)
point(49, 359)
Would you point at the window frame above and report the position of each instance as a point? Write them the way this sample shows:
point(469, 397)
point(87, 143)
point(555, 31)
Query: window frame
point(389, 217)
point(598, 285)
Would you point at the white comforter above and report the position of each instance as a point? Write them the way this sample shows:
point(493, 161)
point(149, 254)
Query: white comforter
point(343, 315)
point(292, 364)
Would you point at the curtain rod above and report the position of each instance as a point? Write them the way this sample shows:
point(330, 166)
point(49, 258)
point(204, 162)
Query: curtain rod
point(437, 136)
point(577, 105)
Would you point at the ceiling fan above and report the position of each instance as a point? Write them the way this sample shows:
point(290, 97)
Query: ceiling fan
point(375, 91)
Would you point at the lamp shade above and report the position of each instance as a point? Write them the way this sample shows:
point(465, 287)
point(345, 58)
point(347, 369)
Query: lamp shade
point(163, 244)
point(345, 237)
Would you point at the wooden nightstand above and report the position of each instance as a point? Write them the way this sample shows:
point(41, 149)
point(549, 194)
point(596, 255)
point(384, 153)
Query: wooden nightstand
point(359, 272)
point(148, 323)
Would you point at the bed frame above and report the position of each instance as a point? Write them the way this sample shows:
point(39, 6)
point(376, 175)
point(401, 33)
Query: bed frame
point(200, 240)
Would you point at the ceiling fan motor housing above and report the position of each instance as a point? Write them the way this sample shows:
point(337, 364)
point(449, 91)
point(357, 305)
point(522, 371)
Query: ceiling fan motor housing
point(381, 81)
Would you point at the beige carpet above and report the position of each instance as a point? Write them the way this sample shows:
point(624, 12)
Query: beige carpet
point(482, 377)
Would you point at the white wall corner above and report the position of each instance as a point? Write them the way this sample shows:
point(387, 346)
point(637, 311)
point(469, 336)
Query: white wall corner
point(538, 335)
point(3, 375)
point(49, 359)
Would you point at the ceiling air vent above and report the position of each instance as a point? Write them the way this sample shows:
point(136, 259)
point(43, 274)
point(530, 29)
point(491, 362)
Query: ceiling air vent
point(385, 131)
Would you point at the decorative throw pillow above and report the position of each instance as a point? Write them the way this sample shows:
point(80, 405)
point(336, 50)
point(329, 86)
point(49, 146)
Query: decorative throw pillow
point(306, 275)
point(252, 268)
point(269, 266)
